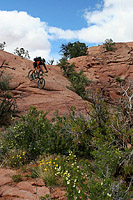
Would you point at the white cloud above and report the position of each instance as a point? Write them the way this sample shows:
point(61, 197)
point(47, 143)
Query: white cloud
point(113, 21)
point(58, 33)
point(110, 19)
point(18, 29)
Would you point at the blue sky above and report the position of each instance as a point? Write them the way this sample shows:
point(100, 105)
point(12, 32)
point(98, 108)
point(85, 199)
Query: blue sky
point(43, 26)
point(66, 14)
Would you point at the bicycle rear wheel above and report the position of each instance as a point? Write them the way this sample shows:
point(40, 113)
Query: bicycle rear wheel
point(31, 75)
point(40, 83)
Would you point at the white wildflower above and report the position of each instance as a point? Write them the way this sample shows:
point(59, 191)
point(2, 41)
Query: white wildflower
point(109, 195)
point(68, 182)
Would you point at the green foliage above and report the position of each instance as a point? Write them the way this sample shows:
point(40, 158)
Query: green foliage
point(78, 83)
point(99, 115)
point(7, 101)
point(34, 172)
point(4, 81)
point(7, 108)
point(112, 157)
point(34, 134)
point(78, 80)
point(66, 67)
point(109, 44)
point(46, 197)
point(74, 178)
point(7, 63)
point(72, 133)
point(23, 169)
point(2, 46)
point(17, 159)
point(17, 178)
point(29, 134)
point(72, 50)
point(46, 170)
point(107, 182)
point(120, 80)
point(104, 136)
point(22, 53)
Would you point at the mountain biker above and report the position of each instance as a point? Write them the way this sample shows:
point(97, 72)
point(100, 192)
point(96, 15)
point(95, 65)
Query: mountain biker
point(38, 62)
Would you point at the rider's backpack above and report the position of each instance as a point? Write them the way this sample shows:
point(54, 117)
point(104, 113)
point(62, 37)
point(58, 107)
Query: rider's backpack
point(37, 59)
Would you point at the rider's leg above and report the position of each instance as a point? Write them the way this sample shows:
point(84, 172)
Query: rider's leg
point(41, 70)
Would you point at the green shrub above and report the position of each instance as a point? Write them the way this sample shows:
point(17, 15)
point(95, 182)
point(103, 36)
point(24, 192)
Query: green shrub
point(66, 67)
point(29, 134)
point(72, 50)
point(78, 83)
point(46, 170)
point(46, 197)
point(104, 136)
point(72, 133)
point(78, 80)
point(120, 80)
point(17, 178)
point(7, 101)
point(2, 46)
point(74, 178)
point(34, 134)
point(34, 172)
point(17, 159)
point(108, 181)
point(110, 178)
point(109, 44)
point(22, 53)
point(4, 81)
point(7, 108)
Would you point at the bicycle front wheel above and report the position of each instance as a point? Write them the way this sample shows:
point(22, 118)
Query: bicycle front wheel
point(31, 75)
point(40, 83)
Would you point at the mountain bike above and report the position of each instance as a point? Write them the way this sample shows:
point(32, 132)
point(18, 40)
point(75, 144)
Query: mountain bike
point(32, 75)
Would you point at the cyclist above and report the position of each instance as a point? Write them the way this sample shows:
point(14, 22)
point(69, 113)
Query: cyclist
point(38, 62)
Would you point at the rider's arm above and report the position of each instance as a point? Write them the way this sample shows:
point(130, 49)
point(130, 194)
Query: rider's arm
point(45, 67)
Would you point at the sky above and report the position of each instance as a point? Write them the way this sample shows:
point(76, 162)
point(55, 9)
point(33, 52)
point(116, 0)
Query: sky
point(42, 26)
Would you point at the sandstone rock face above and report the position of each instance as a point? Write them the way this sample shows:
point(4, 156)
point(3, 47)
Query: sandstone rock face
point(54, 96)
point(25, 190)
point(101, 67)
